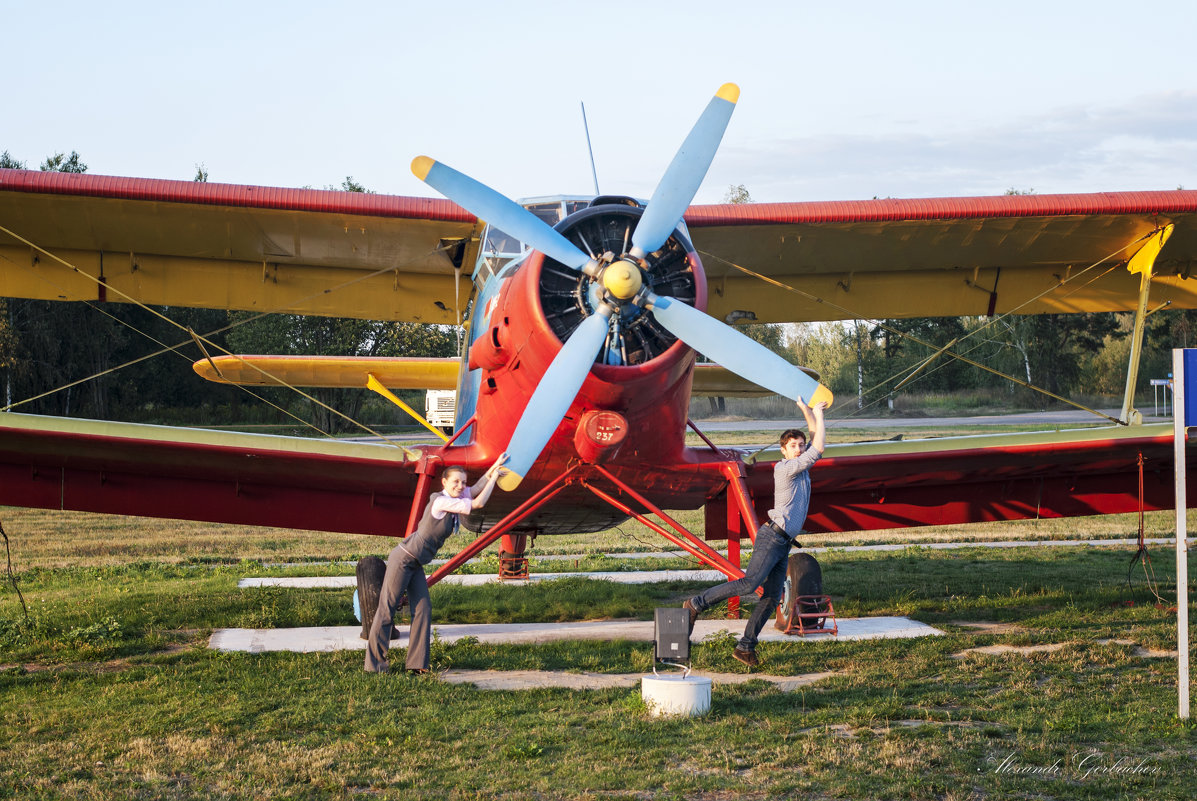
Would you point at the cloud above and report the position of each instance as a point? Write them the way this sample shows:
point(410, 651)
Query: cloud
point(1147, 143)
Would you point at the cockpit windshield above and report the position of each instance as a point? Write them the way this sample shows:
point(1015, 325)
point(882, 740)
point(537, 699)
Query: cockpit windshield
point(501, 243)
point(499, 248)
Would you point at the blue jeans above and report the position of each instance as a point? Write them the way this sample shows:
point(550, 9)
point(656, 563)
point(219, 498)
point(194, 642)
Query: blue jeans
point(766, 569)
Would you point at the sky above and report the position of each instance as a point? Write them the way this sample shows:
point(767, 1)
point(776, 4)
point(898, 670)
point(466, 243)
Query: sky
point(838, 101)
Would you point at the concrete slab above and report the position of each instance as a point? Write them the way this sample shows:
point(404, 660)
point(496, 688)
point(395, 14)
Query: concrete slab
point(300, 582)
point(342, 638)
point(478, 579)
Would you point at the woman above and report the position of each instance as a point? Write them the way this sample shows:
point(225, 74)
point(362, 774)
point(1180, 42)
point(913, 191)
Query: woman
point(405, 566)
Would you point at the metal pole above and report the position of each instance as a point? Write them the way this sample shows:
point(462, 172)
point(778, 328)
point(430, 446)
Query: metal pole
point(417, 508)
point(733, 556)
point(739, 491)
point(1182, 560)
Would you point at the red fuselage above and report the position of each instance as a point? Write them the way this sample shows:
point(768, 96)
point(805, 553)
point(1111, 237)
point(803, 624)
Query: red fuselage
point(652, 397)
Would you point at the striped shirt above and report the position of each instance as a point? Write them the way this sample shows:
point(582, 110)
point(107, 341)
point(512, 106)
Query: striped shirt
point(791, 491)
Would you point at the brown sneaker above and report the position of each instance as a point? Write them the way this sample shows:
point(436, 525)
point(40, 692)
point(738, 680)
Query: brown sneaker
point(747, 657)
point(689, 607)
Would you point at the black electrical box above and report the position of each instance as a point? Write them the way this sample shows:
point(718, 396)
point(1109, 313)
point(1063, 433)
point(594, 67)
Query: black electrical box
point(671, 634)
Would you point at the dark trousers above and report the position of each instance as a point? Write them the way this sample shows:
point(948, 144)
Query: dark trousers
point(404, 574)
point(766, 569)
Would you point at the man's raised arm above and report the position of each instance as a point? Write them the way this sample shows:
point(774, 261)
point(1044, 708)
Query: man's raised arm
point(814, 421)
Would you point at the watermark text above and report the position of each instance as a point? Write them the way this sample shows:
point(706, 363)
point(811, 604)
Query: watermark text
point(1081, 765)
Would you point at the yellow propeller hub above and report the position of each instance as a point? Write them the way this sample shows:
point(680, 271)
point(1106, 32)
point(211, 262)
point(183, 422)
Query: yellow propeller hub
point(622, 279)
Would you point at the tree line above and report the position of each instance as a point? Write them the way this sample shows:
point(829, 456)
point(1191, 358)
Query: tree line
point(1069, 355)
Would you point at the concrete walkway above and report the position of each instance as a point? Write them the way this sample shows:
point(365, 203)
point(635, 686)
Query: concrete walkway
point(347, 638)
point(478, 579)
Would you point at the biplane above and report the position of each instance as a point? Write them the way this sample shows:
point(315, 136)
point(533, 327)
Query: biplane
point(585, 315)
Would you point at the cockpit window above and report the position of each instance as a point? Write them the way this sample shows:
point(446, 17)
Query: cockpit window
point(551, 213)
point(501, 243)
point(499, 248)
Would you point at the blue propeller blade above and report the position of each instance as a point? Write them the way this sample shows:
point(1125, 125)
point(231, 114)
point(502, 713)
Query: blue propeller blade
point(556, 391)
point(499, 211)
point(681, 181)
point(743, 356)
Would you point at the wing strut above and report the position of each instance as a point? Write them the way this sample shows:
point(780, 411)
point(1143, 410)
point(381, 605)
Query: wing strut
point(1142, 262)
point(373, 383)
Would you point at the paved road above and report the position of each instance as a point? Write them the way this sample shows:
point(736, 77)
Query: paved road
point(1066, 418)
point(1071, 417)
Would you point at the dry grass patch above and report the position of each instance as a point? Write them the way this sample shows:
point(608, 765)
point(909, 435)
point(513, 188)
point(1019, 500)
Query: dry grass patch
point(993, 650)
point(990, 628)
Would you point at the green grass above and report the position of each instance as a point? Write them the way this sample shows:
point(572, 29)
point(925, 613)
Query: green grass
point(112, 692)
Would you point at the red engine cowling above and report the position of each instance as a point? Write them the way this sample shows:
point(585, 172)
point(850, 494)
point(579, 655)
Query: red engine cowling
point(541, 305)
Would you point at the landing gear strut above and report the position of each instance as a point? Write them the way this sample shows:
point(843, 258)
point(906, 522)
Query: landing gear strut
point(512, 562)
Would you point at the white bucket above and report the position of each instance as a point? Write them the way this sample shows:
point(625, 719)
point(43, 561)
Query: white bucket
point(676, 695)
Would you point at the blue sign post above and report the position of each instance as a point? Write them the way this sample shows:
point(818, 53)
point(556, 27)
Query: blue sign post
point(1188, 376)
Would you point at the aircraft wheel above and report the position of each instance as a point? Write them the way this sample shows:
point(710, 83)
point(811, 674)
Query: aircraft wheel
point(370, 571)
point(803, 577)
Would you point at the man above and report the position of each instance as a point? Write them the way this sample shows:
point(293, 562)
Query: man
point(405, 566)
point(767, 567)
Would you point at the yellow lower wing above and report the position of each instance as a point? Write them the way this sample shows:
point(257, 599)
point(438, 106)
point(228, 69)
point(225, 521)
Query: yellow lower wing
point(405, 373)
point(331, 371)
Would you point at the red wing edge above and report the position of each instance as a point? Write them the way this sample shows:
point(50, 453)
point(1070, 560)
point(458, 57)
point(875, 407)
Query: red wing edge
point(156, 471)
point(985, 478)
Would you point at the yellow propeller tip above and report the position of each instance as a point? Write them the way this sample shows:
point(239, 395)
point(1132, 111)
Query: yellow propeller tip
point(729, 92)
point(421, 166)
point(821, 394)
point(509, 481)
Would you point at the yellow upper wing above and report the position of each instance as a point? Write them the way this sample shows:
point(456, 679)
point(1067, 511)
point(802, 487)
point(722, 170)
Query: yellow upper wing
point(1028, 254)
point(181, 243)
point(397, 258)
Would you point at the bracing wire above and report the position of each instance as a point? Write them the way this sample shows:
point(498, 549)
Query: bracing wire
point(1141, 555)
point(165, 349)
point(11, 577)
point(206, 338)
point(849, 314)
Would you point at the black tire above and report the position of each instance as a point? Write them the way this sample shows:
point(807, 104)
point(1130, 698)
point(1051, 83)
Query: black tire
point(370, 572)
point(803, 577)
